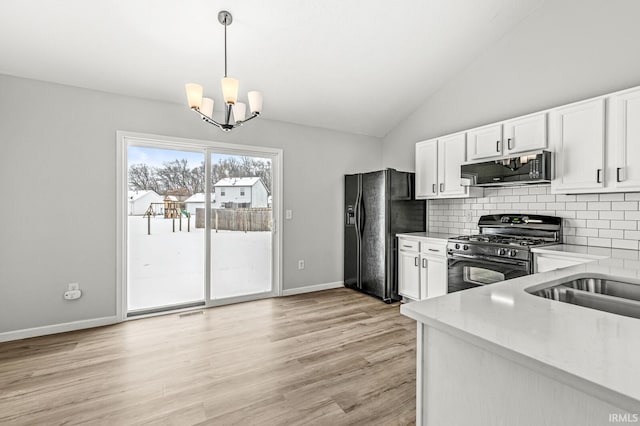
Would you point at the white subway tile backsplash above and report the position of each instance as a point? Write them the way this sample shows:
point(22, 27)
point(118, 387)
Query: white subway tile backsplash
point(600, 242)
point(607, 220)
point(628, 215)
point(625, 205)
point(598, 224)
point(535, 190)
point(611, 197)
point(611, 233)
point(586, 232)
point(587, 214)
point(599, 205)
point(625, 244)
point(576, 206)
point(613, 215)
point(587, 197)
point(624, 224)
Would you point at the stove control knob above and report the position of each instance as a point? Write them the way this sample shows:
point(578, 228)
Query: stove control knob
point(457, 246)
point(465, 247)
point(512, 252)
point(502, 251)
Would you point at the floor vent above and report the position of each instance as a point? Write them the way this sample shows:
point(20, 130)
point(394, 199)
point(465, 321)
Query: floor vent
point(190, 314)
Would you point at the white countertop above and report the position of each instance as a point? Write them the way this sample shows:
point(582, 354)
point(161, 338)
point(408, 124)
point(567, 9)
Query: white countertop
point(594, 351)
point(629, 259)
point(425, 235)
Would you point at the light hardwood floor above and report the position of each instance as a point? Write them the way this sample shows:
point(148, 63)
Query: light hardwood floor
point(335, 357)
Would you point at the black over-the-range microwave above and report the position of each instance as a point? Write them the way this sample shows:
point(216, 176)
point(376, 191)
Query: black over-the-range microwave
point(530, 168)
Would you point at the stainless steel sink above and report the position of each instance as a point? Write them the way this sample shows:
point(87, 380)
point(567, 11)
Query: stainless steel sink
point(617, 297)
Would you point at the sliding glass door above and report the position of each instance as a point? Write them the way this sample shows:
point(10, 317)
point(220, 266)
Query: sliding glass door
point(198, 223)
point(241, 226)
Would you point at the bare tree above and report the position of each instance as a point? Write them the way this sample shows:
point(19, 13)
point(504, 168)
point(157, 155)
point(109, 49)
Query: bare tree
point(142, 177)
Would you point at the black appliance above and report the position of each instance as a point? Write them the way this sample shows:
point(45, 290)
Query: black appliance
point(378, 205)
point(530, 168)
point(501, 251)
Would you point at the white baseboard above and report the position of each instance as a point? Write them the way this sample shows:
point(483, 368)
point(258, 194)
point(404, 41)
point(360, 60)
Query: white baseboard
point(311, 288)
point(56, 328)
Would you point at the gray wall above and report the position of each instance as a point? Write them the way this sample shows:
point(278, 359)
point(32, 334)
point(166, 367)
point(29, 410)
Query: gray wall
point(567, 50)
point(59, 156)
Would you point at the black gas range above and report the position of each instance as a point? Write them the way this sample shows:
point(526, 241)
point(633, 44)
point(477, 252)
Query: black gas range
point(501, 251)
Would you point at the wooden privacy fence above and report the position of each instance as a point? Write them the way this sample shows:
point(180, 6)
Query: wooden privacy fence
point(236, 219)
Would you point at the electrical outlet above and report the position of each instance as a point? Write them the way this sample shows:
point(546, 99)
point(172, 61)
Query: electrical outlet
point(300, 264)
point(73, 286)
point(288, 214)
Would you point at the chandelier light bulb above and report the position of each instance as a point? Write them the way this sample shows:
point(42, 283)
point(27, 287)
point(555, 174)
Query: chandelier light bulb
point(194, 95)
point(239, 111)
point(255, 101)
point(230, 90)
point(207, 107)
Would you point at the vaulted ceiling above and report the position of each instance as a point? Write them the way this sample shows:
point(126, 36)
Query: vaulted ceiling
point(357, 66)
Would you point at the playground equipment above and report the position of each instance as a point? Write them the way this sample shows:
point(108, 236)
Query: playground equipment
point(172, 210)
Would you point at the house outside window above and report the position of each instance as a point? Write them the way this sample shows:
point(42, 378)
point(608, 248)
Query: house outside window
point(222, 192)
point(242, 192)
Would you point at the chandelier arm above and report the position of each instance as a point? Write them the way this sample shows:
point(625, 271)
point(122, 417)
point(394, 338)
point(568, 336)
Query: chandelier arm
point(253, 115)
point(207, 119)
point(227, 117)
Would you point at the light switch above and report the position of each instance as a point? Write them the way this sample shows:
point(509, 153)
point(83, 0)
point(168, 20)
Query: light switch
point(288, 214)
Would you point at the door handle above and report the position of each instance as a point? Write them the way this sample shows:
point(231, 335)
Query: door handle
point(618, 174)
point(509, 143)
point(497, 146)
point(424, 263)
point(433, 188)
point(598, 173)
point(415, 261)
point(442, 187)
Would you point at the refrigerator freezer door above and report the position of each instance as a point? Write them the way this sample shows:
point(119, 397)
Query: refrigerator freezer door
point(352, 185)
point(374, 231)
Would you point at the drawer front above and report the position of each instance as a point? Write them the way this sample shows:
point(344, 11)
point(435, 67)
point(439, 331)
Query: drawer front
point(408, 245)
point(433, 249)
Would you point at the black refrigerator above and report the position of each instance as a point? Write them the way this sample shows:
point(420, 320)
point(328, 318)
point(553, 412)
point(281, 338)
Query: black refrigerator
point(378, 205)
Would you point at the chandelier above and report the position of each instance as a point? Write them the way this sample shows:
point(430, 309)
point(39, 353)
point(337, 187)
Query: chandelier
point(204, 106)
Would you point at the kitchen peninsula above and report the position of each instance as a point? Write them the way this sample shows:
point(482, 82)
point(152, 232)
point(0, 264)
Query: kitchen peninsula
point(498, 355)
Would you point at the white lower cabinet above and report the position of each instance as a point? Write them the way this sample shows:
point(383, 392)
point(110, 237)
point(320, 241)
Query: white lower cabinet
point(422, 268)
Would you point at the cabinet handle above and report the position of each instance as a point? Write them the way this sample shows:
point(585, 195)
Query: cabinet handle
point(433, 188)
point(598, 173)
point(618, 174)
point(497, 146)
point(424, 263)
point(404, 245)
point(442, 187)
point(509, 143)
point(436, 250)
point(415, 260)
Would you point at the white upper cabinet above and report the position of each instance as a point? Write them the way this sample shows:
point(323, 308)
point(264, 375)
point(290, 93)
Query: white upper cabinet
point(577, 137)
point(485, 142)
point(438, 164)
point(624, 140)
point(528, 133)
point(451, 154)
point(427, 169)
point(522, 134)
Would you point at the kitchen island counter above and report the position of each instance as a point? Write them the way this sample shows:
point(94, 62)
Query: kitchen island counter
point(595, 353)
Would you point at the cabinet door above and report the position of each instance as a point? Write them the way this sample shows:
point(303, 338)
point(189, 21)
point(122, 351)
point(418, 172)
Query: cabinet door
point(409, 274)
point(436, 276)
point(451, 154)
point(485, 142)
point(427, 169)
point(577, 137)
point(625, 137)
point(527, 133)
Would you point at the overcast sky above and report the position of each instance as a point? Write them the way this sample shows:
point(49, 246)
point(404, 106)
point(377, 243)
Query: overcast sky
point(155, 156)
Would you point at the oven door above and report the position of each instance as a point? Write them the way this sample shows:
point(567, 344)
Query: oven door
point(469, 272)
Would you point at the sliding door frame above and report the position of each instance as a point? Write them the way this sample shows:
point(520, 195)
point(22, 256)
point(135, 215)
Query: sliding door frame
point(124, 139)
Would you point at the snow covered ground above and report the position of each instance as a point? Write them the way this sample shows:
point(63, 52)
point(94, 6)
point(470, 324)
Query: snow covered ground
point(167, 268)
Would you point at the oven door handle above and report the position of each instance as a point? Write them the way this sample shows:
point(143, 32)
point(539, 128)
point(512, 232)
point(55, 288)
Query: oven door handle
point(484, 260)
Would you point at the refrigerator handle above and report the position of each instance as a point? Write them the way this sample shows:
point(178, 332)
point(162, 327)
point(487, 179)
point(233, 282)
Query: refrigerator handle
point(358, 231)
